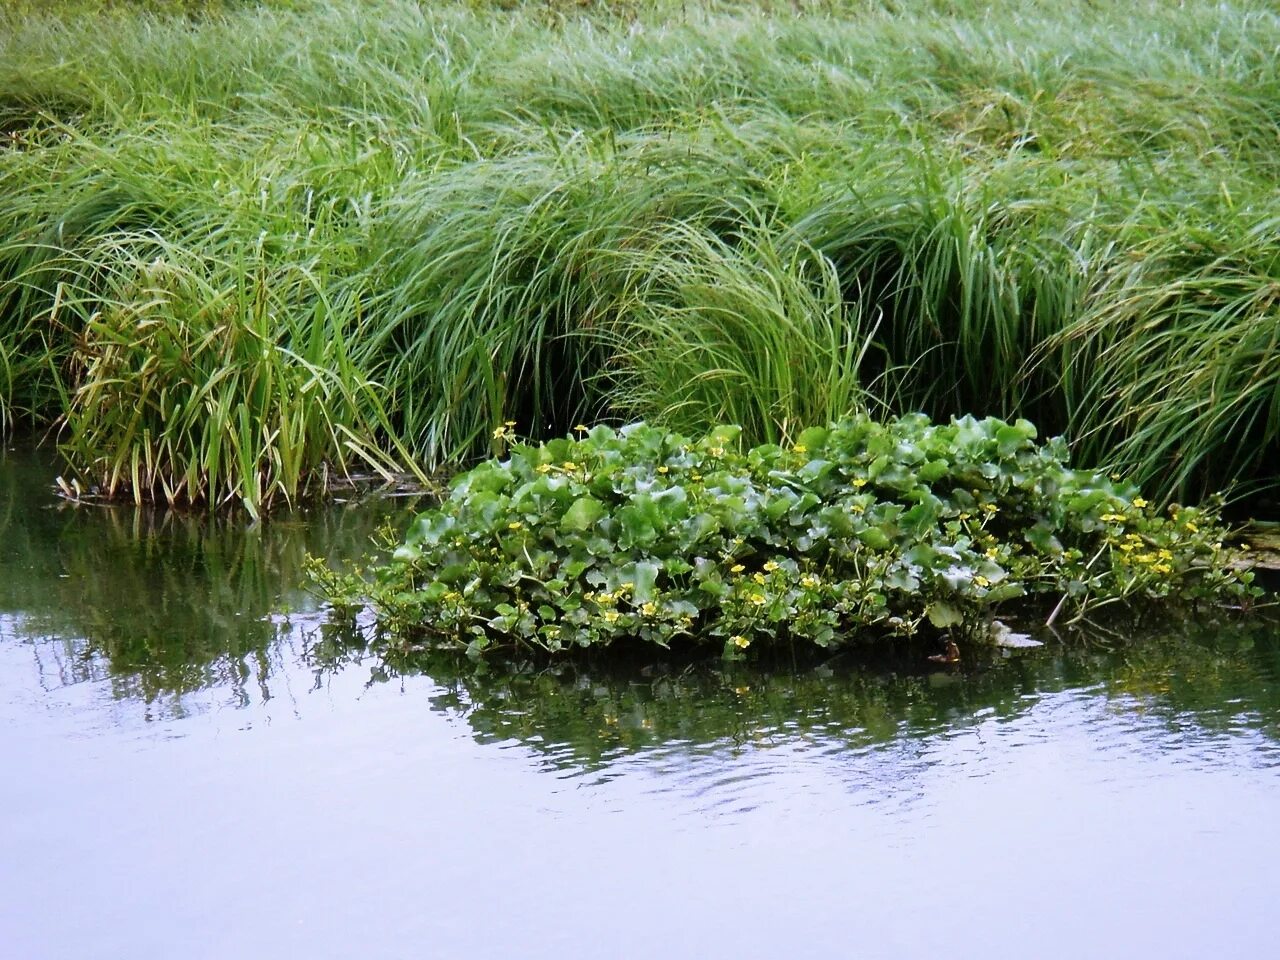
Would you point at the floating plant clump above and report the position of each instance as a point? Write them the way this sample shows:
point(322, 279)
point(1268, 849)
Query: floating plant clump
point(860, 530)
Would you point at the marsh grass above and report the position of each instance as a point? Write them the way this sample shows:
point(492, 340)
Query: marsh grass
point(552, 212)
point(736, 330)
point(188, 391)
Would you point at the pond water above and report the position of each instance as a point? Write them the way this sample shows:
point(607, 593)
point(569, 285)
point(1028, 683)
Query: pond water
point(194, 768)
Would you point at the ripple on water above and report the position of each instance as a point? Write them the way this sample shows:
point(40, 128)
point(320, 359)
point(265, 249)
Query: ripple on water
point(785, 768)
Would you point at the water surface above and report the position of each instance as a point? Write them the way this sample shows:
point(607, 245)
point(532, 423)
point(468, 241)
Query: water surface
point(195, 768)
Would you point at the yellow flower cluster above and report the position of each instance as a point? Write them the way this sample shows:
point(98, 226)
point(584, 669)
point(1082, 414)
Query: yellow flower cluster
point(1158, 561)
point(1131, 542)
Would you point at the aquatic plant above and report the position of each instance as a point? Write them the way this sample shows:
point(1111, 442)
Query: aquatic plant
point(190, 391)
point(856, 530)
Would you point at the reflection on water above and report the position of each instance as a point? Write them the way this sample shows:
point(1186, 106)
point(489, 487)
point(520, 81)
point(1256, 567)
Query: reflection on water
point(191, 752)
point(1177, 689)
point(159, 605)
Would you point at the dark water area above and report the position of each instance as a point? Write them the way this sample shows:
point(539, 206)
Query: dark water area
point(195, 767)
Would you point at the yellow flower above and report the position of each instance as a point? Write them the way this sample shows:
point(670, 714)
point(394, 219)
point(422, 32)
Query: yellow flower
point(569, 465)
point(741, 642)
point(982, 581)
point(757, 599)
point(809, 581)
point(992, 553)
point(758, 577)
point(499, 433)
point(649, 609)
point(664, 469)
point(857, 508)
point(737, 568)
point(989, 508)
point(770, 567)
point(1191, 526)
point(581, 428)
point(514, 525)
point(1139, 502)
point(510, 423)
point(860, 482)
point(800, 448)
point(611, 616)
point(543, 468)
point(1112, 518)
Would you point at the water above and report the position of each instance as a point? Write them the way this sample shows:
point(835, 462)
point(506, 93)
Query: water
point(195, 768)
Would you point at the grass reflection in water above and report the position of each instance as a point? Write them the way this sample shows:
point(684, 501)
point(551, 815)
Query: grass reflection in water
point(1208, 680)
point(161, 604)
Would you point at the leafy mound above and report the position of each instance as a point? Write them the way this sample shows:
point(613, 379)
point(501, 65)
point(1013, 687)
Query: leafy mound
point(860, 529)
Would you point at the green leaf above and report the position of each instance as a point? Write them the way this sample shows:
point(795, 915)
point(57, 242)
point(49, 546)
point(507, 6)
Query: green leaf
point(934, 470)
point(814, 438)
point(874, 538)
point(942, 614)
point(585, 513)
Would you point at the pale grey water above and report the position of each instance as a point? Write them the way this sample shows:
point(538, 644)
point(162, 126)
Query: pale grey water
point(185, 775)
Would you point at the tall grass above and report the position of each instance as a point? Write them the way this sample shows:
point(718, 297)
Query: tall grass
point(383, 229)
point(738, 331)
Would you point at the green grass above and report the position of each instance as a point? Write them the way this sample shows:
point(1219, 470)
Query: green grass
point(414, 222)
